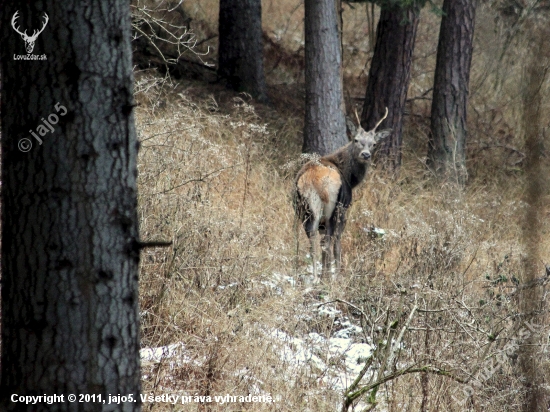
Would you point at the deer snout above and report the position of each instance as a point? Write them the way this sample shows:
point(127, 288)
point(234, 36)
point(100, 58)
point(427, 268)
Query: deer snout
point(365, 155)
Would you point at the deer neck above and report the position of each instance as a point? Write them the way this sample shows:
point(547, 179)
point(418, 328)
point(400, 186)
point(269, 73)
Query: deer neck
point(358, 172)
point(351, 170)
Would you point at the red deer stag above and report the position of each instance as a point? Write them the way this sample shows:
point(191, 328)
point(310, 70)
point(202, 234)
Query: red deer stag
point(323, 192)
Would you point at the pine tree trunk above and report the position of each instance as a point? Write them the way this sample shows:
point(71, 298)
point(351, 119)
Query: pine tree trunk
point(70, 248)
point(533, 305)
point(447, 144)
point(240, 52)
point(325, 126)
point(389, 77)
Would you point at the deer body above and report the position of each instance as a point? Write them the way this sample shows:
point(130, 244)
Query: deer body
point(323, 193)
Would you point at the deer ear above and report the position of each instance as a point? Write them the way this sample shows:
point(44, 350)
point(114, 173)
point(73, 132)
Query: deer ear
point(381, 135)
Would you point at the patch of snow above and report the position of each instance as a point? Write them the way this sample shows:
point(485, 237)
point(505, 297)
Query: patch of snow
point(348, 329)
point(173, 352)
point(340, 359)
point(280, 278)
point(231, 285)
point(328, 311)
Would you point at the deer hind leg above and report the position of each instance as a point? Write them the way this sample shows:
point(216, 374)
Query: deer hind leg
point(311, 226)
point(339, 226)
point(327, 255)
point(314, 249)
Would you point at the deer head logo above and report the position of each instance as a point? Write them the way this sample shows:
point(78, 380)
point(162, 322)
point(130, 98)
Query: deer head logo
point(29, 40)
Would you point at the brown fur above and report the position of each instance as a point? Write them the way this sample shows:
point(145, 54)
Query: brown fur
point(319, 176)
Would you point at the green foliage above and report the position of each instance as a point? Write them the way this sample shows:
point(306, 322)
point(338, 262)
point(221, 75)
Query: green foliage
point(372, 396)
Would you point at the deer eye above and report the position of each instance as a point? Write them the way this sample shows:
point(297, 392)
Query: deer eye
point(356, 140)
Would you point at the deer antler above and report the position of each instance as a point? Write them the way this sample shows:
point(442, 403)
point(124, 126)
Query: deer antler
point(357, 117)
point(24, 34)
point(381, 120)
point(37, 32)
point(13, 19)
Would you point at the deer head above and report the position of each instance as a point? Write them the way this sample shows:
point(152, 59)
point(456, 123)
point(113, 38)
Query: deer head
point(365, 143)
point(29, 40)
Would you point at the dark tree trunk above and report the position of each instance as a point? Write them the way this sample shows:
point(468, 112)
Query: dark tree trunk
point(389, 77)
point(447, 144)
point(70, 249)
point(240, 52)
point(325, 125)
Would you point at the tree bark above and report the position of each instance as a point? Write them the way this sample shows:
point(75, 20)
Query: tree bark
point(240, 51)
point(325, 125)
point(532, 300)
point(70, 249)
point(389, 77)
point(447, 143)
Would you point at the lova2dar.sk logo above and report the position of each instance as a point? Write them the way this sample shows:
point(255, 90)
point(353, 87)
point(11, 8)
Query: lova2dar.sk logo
point(29, 40)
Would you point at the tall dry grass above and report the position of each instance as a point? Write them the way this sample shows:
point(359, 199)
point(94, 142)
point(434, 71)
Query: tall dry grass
point(215, 174)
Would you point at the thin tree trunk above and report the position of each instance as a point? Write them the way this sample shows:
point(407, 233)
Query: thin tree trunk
point(240, 52)
point(70, 249)
point(389, 77)
point(447, 144)
point(532, 301)
point(325, 125)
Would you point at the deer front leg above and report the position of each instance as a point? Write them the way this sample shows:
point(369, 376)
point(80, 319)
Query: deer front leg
point(327, 247)
point(340, 224)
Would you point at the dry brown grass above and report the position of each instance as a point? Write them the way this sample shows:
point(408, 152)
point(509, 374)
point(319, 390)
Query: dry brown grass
point(215, 172)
